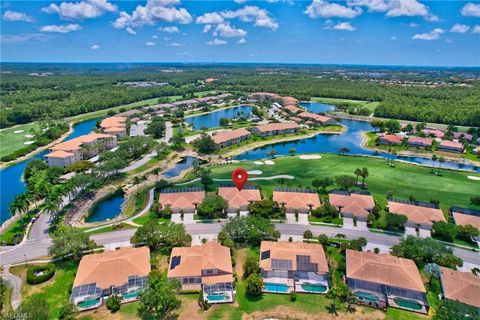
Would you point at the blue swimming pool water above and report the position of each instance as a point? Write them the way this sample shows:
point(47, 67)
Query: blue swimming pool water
point(275, 287)
point(212, 119)
point(216, 297)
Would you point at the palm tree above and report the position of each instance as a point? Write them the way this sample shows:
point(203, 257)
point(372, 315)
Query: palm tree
point(19, 204)
point(272, 153)
point(434, 159)
point(136, 181)
point(51, 206)
point(440, 161)
point(156, 172)
point(358, 173)
point(292, 151)
point(343, 150)
point(220, 157)
point(364, 174)
point(389, 153)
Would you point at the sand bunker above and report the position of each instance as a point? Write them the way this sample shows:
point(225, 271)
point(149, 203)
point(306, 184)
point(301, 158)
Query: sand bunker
point(310, 156)
point(235, 161)
point(473, 178)
point(29, 142)
point(255, 172)
point(29, 136)
point(18, 131)
point(269, 162)
point(258, 162)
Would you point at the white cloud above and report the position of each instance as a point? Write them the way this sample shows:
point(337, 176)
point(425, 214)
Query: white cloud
point(227, 31)
point(476, 29)
point(432, 35)
point(154, 36)
point(167, 38)
point(95, 47)
point(26, 37)
point(260, 17)
point(343, 26)
point(325, 9)
point(17, 16)
point(242, 41)
point(169, 29)
point(66, 28)
point(460, 28)
point(371, 5)
point(150, 44)
point(216, 42)
point(396, 8)
point(413, 25)
point(152, 12)
point(210, 18)
point(175, 44)
point(207, 28)
point(240, 1)
point(87, 9)
point(393, 38)
point(130, 31)
point(471, 10)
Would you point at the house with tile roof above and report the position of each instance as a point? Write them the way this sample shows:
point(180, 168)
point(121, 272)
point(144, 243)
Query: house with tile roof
point(296, 200)
point(464, 217)
point(239, 199)
point(294, 266)
point(182, 200)
point(316, 118)
point(419, 142)
point(462, 136)
point(273, 129)
point(390, 139)
point(451, 146)
point(381, 280)
point(460, 286)
point(123, 272)
point(420, 215)
point(352, 205)
point(116, 125)
point(439, 134)
point(207, 267)
point(224, 139)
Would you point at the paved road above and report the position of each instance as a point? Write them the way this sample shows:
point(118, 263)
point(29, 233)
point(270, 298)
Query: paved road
point(16, 284)
point(138, 129)
point(168, 131)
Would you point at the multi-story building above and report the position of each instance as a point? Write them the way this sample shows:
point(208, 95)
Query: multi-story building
point(451, 146)
point(272, 129)
point(227, 138)
point(115, 125)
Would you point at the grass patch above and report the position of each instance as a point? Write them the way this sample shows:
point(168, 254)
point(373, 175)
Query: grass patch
point(337, 220)
point(11, 141)
point(136, 203)
point(15, 232)
point(111, 228)
point(129, 310)
point(397, 314)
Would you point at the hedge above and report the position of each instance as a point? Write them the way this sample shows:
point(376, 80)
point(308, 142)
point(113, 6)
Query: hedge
point(48, 272)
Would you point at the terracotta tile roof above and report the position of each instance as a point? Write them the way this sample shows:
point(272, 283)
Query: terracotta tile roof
point(266, 94)
point(194, 259)
point(114, 129)
point(113, 267)
point(113, 122)
point(182, 200)
point(296, 200)
point(356, 204)
point(416, 214)
point(419, 140)
point(285, 250)
point(462, 219)
point(237, 199)
point(224, 136)
point(392, 138)
point(277, 126)
point(451, 144)
point(435, 133)
point(314, 116)
point(292, 109)
point(461, 286)
point(60, 154)
point(289, 100)
point(75, 144)
point(296, 119)
point(384, 269)
point(458, 135)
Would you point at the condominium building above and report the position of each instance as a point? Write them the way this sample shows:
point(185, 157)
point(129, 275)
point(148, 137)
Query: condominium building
point(227, 138)
point(115, 125)
point(272, 129)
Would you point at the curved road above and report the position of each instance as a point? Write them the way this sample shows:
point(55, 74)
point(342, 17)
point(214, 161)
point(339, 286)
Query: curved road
point(38, 248)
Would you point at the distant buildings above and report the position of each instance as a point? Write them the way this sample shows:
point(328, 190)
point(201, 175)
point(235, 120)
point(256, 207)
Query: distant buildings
point(293, 266)
point(439, 134)
point(207, 267)
point(382, 280)
point(82, 148)
point(115, 125)
point(123, 272)
point(272, 129)
point(460, 286)
point(181, 200)
point(239, 200)
point(296, 200)
point(227, 138)
point(420, 215)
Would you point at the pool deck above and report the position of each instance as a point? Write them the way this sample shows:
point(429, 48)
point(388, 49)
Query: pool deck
point(392, 303)
point(298, 286)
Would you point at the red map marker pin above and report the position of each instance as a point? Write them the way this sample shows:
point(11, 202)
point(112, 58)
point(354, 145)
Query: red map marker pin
point(239, 177)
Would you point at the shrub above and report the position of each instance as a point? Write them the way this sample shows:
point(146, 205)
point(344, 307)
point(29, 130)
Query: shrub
point(293, 296)
point(113, 303)
point(254, 284)
point(250, 266)
point(40, 273)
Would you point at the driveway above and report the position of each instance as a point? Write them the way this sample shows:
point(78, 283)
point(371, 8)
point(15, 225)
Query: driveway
point(14, 282)
point(138, 129)
point(168, 131)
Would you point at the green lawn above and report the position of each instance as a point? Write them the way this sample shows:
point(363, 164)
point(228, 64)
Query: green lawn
point(11, 141)
point(453, 188)
point(16, 229)
point(397, 314)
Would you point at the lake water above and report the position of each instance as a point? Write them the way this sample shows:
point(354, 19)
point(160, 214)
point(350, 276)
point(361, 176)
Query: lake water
point(212, 119)
point(351, 139)
point(185, 163)
point(11, 177)
point(107, 209)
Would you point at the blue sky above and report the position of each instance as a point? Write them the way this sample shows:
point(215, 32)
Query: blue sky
point(390, 32)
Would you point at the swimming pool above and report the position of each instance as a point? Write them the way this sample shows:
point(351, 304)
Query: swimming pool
point(314, 287)
point(366, 296)
point(89, 303)
point(218, 297)
point(275, 287)
point(130, 295)
point(408, 304)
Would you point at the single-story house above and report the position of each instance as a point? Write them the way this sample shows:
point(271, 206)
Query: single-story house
point(207, 267)
point(439, 134)
point(239, 200)
point(352, 205)
point(461, 135)
point(460, 286)
point(448, 145)
point(123, 272)
point(419, 142)
point(272, 129)
point(301, 200)
point(390, 139)
point(464, 216)
point(227, 138)
point(182, 200)
point(381, 280)
point(293, 266)
point(420, 215)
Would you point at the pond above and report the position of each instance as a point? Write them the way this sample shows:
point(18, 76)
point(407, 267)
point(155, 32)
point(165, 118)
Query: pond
point(107, 208)
point(11, 182)
point(351, 139)
point(183, 164)
point(212, 119)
